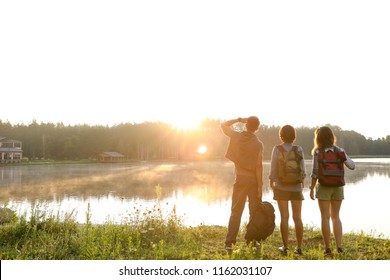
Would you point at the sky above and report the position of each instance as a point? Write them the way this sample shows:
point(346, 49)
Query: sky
point(304, 63)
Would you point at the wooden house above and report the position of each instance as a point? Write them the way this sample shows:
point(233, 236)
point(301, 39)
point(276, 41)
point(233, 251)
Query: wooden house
point(10, 150)
point(111, 157)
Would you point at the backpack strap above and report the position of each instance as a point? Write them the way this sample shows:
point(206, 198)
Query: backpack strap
point(338, 153)
point(281, 149)
point(298, 156)
point(321, 152)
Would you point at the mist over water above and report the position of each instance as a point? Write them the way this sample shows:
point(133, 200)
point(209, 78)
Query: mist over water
point(199, 192)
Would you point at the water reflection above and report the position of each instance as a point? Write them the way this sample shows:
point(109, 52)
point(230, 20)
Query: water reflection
point(200, 191)
point(205, 180)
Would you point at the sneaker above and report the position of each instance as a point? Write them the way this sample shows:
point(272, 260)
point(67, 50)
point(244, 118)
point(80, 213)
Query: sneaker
point(256, 244)
point(229, 248)
point(298, 251)
point(328, 252)
point(340, 250)
point(283, 250)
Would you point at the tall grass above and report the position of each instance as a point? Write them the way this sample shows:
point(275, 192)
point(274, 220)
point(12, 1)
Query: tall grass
point(149, 234)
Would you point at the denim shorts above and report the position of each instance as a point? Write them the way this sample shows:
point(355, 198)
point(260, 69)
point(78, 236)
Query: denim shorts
point(329, 193)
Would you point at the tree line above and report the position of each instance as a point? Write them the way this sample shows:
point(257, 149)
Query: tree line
point(161, 141)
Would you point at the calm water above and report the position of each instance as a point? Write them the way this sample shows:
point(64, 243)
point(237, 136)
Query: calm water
point(199, 191)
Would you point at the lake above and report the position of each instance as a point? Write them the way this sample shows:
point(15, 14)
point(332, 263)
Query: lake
point(198, 191)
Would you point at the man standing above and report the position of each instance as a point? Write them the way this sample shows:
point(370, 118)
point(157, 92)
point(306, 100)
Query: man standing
point(245, 150)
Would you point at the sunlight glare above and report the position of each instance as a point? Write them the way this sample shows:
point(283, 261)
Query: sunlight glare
point(202, 149)
point(185, 123)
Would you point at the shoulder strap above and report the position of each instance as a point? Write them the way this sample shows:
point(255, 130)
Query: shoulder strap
point(338, 152)
point(280, 148)
point(297, 154)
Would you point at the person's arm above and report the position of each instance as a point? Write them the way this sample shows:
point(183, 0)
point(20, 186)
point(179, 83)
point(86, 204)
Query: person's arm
point(349, 162)
point(259, 174)
point(312, 185)
point(314, 175)
point(271, 183)
point(273, 169)
point(303, 168)
point(226, 125)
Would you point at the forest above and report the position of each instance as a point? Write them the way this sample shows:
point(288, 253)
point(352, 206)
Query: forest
point(161, 141)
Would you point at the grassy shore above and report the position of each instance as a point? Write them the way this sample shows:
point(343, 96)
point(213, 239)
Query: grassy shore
point(150, 236)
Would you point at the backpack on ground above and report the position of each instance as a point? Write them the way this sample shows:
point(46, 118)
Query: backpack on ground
point(262, 222)
point(331, 167)
point(289, 166)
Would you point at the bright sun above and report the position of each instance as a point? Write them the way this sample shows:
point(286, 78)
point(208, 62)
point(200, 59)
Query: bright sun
point(202, 149)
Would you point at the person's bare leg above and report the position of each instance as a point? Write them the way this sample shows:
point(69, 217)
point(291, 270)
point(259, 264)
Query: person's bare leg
point(284, 216)
point(324, 206)
point(335, 206)
point(296, 206)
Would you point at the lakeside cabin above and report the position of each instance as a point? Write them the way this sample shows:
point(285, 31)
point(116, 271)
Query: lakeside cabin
point(111, 157)
point(10, 150)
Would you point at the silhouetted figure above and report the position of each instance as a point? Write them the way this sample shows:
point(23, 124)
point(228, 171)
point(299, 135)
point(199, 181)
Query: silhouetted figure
point(245, 150)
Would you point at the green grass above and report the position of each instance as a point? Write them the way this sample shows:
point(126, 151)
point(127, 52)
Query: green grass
point(148, 235)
